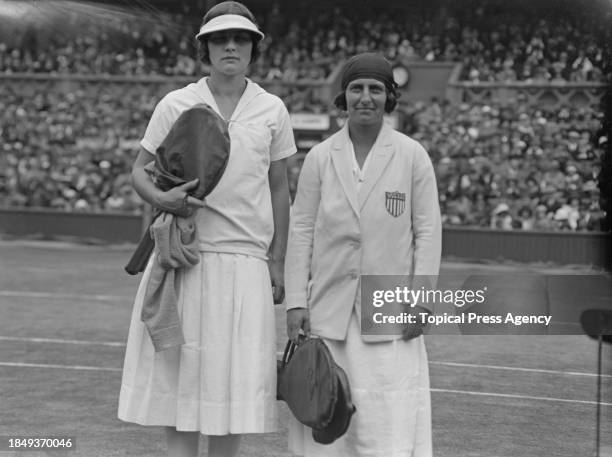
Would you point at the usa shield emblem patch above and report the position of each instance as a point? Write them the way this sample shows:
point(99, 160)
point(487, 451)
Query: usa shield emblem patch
point(395, 203)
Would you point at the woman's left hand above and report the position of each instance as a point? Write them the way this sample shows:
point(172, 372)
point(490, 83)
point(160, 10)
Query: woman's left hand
point(277, 277)
point(416, 329)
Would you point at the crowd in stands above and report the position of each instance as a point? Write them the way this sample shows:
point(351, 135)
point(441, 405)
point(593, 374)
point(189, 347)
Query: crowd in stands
point(497, 41)
point(514, 167)
point(504, 167)
point(507, 167)
point(70, 151)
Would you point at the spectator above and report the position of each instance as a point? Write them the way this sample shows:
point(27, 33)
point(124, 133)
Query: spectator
point(501, 218)
point(520, 41)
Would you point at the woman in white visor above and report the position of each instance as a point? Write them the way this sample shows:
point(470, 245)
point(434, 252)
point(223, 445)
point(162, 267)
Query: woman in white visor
point(222, 381)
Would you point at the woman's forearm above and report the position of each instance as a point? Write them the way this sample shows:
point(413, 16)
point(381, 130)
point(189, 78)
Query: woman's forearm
point(175, 200)
point(144, 186)
point(141, 181)
point(279, 189)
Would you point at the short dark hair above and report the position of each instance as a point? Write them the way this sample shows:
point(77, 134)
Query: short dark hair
point(390, 103)
point(222, 8)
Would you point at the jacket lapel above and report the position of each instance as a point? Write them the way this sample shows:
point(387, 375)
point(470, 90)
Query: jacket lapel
point(382, 151)
point(343, 164)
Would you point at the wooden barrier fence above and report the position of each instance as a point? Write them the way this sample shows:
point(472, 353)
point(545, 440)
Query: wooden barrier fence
point(580, 248)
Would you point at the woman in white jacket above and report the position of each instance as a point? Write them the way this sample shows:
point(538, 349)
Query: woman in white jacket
point(366, 204)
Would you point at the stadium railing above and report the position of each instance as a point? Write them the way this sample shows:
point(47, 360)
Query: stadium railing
point(564, 248)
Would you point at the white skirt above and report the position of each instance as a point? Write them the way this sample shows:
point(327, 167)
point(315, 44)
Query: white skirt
point(223, 379)
point(390, 389)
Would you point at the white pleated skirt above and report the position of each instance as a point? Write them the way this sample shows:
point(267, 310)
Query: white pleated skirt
point(390, 389)
point(223, 379)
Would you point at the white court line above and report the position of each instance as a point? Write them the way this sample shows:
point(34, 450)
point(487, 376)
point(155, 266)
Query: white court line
point(575, 324)
point(533, 370)
point(66, 245)
point(463, 392)
point(64, 270)
point(59, 341)
point(21, 293)
point(280, 354)
point(61, 367)
point(520, 397)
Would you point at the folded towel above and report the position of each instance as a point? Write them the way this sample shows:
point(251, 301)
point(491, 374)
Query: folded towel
point(176, 247)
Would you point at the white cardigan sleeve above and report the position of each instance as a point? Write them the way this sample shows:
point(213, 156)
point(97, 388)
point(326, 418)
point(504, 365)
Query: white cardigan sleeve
point(301, 233)
point(426, 220)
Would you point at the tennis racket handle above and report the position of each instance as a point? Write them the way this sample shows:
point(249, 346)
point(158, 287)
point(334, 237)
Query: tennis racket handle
point(141, 255)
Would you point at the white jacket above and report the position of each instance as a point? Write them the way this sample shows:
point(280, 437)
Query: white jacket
point(338, 234)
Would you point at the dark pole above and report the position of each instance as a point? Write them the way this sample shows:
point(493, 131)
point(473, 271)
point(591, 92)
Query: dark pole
point(605, 175)
point(598, 421)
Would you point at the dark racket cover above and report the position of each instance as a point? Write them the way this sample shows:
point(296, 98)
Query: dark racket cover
point(197, 146)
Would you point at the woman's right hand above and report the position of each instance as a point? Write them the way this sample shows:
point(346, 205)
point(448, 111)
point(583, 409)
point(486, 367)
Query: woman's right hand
point(178, 201)
point(298, 318)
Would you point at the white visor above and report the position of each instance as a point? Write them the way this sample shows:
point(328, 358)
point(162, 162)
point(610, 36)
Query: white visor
point(229, 22)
